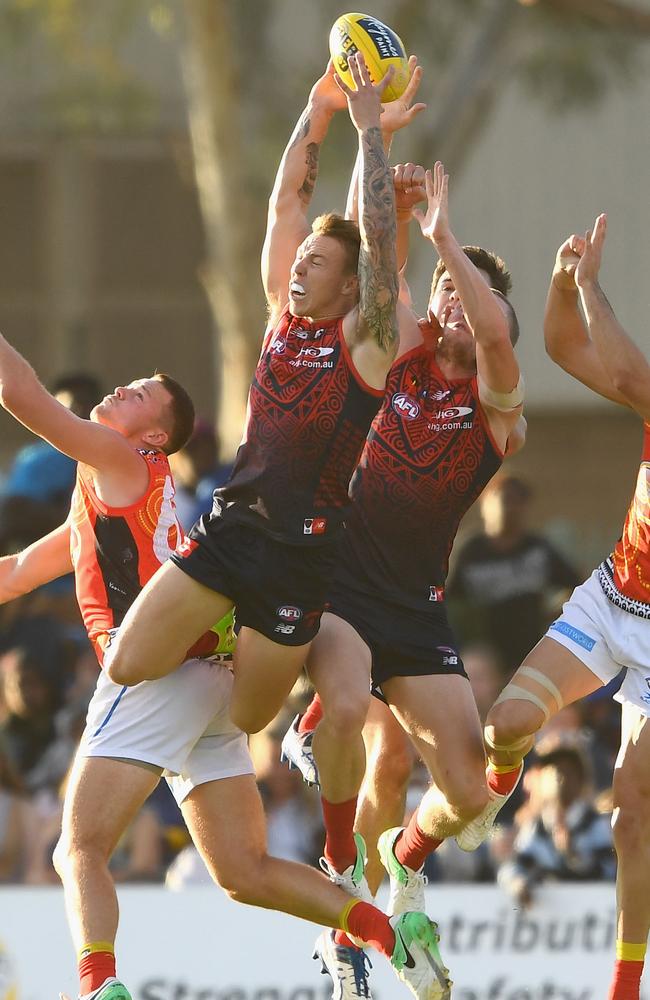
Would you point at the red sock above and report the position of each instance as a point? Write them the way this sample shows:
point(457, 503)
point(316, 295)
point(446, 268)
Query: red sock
point(94, 969)
point(372, 926)
point(502, 783)
point(340, 849)
point(312, 716)
point(626, 981)
point(413, 846)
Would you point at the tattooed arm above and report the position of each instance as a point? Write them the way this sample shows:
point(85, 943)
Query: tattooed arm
point(374, 324)
point(287, 224)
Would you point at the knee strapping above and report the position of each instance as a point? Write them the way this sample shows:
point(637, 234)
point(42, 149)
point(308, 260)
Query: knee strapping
point(513, 692)
point(514, 747)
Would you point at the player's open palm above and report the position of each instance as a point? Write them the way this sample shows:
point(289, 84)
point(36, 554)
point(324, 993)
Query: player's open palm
point(401, 112)
point(364, 102)
point(434, 223)
point(588, 267)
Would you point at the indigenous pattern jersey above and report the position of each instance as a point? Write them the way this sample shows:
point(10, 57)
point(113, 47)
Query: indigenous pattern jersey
point(115, 550)
point(308, 415)
point(625, 576)
point(428, 456)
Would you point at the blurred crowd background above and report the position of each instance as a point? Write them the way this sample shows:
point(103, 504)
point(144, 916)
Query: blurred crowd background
point(138, 144)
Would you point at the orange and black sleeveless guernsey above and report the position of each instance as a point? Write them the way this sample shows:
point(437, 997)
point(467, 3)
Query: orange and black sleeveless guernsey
point(428, 456)
point(115, 550)
point(308, 415)
point(625, 575)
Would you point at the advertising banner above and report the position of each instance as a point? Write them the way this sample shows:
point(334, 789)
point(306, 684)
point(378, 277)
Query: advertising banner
point(198, 945)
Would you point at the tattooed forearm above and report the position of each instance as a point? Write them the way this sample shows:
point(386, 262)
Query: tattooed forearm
point(378, 278)
point(306, 191)
point(301, 131)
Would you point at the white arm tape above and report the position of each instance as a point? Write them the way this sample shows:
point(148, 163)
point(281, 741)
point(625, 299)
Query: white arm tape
point(501, 400)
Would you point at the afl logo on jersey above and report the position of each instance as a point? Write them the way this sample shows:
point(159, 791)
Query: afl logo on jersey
point(405, 405)
point(289, 613)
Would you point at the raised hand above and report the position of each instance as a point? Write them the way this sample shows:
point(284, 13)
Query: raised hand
point(364, 103)
point(326, 94)
point(566, 261)
point(588, 266)
point(434, 223)
point(397, 114)
point(409, 184)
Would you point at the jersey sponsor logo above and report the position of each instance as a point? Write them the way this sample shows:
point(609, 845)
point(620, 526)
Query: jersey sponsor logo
point(405, 405)
point(315, 352)
point(314, 526)
point(573, 633)
point(289, 612)
point(436, 593)
point(454, 412)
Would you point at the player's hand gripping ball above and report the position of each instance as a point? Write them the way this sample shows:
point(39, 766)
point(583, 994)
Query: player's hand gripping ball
point(379, 46)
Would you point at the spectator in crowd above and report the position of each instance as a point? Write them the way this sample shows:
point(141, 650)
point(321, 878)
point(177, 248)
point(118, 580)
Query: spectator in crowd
point(507, 582)
point(197, 473)
point(561, 834)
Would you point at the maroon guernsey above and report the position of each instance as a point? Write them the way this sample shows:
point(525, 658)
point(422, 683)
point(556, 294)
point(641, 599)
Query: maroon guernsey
point(309, 412)
point(428, 456)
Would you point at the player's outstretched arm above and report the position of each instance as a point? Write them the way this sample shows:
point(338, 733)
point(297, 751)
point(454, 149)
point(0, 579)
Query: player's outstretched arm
point(566, 337)
point(378, 279)
point(43, 561)
point(287, 224)
point(625, 365)
point(395, 115)
point(495, 358)
point(28, 401)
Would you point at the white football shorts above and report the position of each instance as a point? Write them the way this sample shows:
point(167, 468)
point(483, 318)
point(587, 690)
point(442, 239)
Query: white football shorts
point(180, 723)
point(606, 638)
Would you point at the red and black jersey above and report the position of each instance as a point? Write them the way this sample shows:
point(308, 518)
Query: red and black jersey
point(625, 576)
point(115, 550)
point(308, 415)
point(428, 456)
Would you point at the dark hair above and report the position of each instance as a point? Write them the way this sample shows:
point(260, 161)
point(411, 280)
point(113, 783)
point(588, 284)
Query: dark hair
point(485, 260)
point(344, 231)
point(182, 413)
point(513, 322)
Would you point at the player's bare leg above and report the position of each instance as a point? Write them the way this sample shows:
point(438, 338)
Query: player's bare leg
point(264, 673)
point(339, 667)
point(102, 797)
point(226, 820)
point(382, 800)
point(550, 677)
point(440, 715)
point(631, 826)
point(171, 612)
